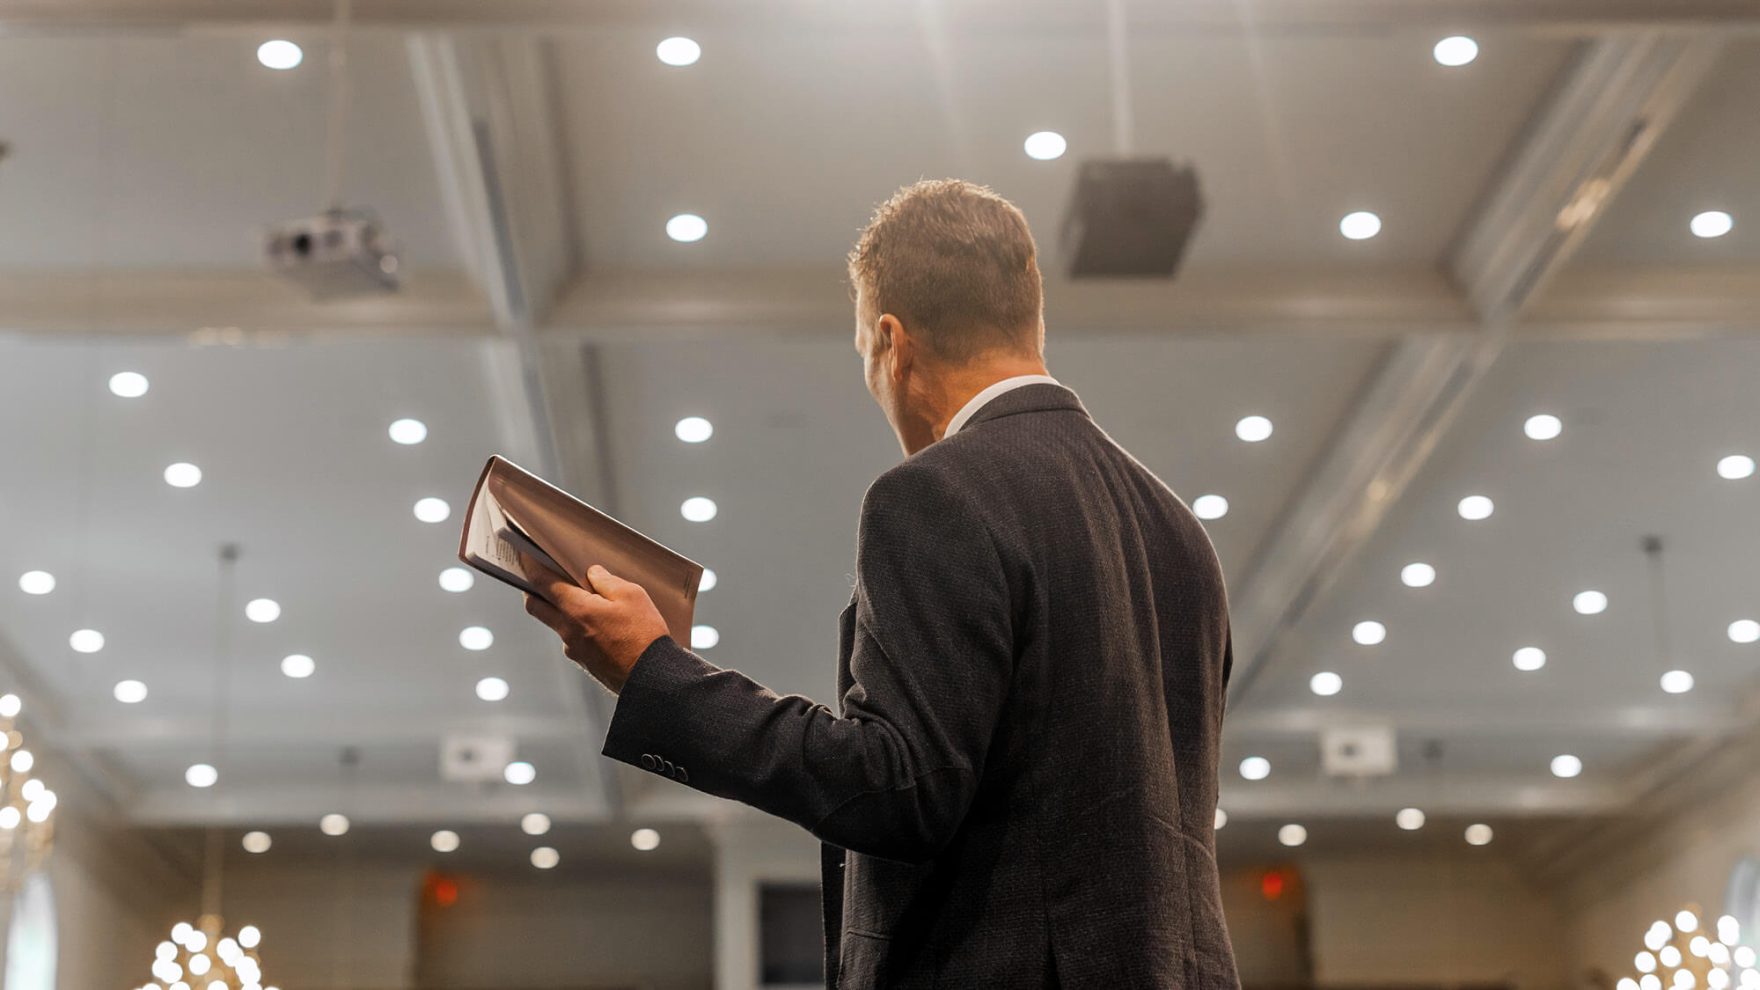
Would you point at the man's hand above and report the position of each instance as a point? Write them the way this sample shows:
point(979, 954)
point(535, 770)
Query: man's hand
point(604, 629)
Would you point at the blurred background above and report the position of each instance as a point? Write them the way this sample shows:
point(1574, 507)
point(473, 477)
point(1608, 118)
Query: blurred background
point(1461, 365)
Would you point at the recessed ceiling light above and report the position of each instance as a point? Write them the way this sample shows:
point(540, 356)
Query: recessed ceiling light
point(704, 637)
point(535, 823)
point(280, 54)
point(432, 510)
point(1369, 633)
point(698, 509)
point(1735, 467)
point(1360, 226)
point(183, 475)
point(519, 773)
point(1410, 819)
point(128, 384)
point(1589, 603)
point(687, 227)
point(298, 666)
point(22, 760)
point(1711, 223)
point(201, 775)
point(1326, 684)
point(408, 431)
point(257, 843)
point(262, 610)
point(545, 858)
point(1677, 682)
point(333, 824)
point(1253, 429)
point(1543, 426)
point(678, 51)
point(1045, 145)
point(492, 689)
point(131, 692)
point(1417, 575)
point(444, 841)
point(1529, 658)
point(457, 579)
point(1744, 631)
point(10, 706)
point(475, 638)
point(36, 582)
point(1478, 835)
point(1255, 768)
point(645, 839)
point(1221, 819)
point(708, 581)
point(1210, 507)
point(694, 429)
point(1475, 507)
point(86, 640)
point(1292, 835)
point(1455, 51)
point(1566, 765)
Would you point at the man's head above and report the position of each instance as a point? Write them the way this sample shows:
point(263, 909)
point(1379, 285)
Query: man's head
point(947, 291)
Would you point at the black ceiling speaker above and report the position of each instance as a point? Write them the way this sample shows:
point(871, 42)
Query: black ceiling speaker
point(1130, 217)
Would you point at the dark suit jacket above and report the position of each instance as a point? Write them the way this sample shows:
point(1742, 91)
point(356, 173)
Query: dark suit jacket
point(1019, 785)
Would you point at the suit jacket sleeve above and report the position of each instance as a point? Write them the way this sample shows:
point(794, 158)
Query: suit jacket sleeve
point(931, 660)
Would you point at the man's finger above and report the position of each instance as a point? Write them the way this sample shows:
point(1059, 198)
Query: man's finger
point(559, 589)
point(548, 614)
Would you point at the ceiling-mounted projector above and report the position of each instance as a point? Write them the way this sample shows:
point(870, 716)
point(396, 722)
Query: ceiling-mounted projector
point(337, 253)
point(1130, 217)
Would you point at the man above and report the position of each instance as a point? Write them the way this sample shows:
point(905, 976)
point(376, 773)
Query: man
point(1018, 788)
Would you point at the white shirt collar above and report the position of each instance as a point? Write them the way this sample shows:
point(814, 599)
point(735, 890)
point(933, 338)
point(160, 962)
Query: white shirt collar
point(977, 402)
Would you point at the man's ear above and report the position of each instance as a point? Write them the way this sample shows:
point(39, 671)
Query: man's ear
point(902, 346)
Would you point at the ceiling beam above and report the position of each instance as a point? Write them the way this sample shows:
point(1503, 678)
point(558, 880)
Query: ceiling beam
point(1264, 17)
point(1590, 133)
point(1599, 124)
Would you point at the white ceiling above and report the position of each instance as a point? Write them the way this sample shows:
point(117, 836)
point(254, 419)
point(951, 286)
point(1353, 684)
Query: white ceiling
point(152, 154)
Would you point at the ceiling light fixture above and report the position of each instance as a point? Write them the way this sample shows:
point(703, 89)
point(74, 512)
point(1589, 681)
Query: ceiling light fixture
point(1255, 768)
point(130, 692)
point(1529, 658)
point(1369, 633)
point(1744, 631)
point(128, 384)
point(1326, 684)
point(1221, 819)
point(519, 773)
point(704, 637)
point(1566, 766)
point(201, 775)
point(298, 666)
point(36, 582)
point(1478, 835)
point(476, 638)
point(1045, 146)
point(1253, 429)
point(709, 580)
point(1209, 507)
point(456, 579)
point(333, 824)
point(1417, 575)
point(1677, 681)
point(678, 52)
point(687, 228)
point(1455, 51)
point(698, 509)
point(492, 689)
point(257, 843)
point(262, 610)
point(645, 839)
point(86, 640)
point(1410, 819)
point(1543, 426)
point(545, 858)
point(444, 841)
point(408, 431)
point(280, 54)
point(1711, 223)
point(1292, 835)
point(1475, 507)
point(1589, 603)
point(694, 429)
point(183, 475)
point(432, 510)
point(1360, 226)
point(1735, 467)
point(535, 823)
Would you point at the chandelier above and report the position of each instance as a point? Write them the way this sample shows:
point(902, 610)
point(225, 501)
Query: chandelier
point(199, 956)
point(1679, 956)
point(26, 832)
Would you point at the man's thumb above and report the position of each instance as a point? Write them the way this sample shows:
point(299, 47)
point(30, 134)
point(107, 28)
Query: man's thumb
point(604, 582)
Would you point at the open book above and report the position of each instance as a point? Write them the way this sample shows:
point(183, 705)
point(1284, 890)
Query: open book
point(513, 511)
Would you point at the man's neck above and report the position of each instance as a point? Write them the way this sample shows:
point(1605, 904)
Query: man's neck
point(962, 384)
